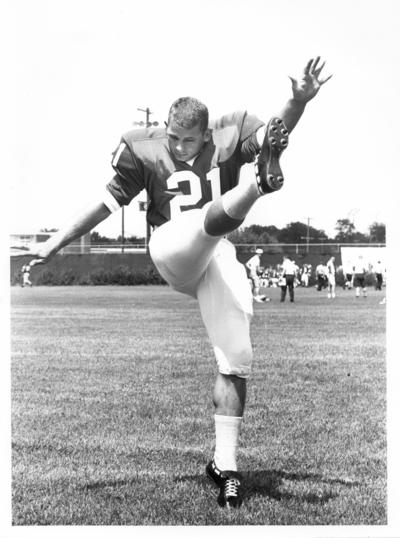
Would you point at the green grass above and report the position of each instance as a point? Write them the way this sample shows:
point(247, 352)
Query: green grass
point(112, 420)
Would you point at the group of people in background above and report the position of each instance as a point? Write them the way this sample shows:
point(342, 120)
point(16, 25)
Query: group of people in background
point(284, 275)
point(288, 274)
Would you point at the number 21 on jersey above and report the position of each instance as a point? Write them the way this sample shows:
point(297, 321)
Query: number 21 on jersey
point(183, 200)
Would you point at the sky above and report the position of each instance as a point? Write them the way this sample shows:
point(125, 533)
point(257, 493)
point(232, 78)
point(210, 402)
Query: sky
point(80, 69)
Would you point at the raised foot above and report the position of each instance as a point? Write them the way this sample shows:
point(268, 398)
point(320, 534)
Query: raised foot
point(268, 171)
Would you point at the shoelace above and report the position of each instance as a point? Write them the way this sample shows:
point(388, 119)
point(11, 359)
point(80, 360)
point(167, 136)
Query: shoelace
point(231, 487)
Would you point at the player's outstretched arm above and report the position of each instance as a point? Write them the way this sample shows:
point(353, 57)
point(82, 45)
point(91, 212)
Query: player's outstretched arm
point(304, 89)
point(78, 226)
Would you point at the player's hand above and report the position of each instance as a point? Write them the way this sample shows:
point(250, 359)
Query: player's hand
point(308, 85)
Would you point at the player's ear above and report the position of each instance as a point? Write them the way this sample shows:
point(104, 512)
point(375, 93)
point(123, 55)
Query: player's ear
point(207, 135)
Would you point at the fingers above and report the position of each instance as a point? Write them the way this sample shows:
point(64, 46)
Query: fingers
point(308, 67)
point(314, 64)
point(318, 71)
point(35, 262)
point(325, 79)
point(312, 68)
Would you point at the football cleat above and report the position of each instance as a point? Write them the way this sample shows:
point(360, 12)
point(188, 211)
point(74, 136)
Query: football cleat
point(229, 483)
point(268, 171)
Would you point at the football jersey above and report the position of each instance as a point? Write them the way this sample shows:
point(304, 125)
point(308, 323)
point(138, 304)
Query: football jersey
point(288, 267)
point(143, 161)
point(253, 263)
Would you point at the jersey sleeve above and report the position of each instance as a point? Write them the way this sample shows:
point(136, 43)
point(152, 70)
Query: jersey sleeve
point(129, 178)
point(250, 147)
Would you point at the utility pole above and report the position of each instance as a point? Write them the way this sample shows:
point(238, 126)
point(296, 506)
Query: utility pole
point(122, 228)
point(147, 124)
point(307, 237)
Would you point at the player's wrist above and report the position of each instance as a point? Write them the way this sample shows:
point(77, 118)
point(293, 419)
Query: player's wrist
point(299, 100)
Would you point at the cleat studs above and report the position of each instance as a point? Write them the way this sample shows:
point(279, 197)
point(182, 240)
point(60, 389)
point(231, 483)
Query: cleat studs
point(284, 142)
point(273, 128)
point(270, 177)
point(284, 131)
point(278, 121)
point(272, 140)
point(280, 179)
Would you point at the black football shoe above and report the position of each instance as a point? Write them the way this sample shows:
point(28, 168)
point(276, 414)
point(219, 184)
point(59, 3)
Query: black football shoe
point(229, 483)
point(268, 171)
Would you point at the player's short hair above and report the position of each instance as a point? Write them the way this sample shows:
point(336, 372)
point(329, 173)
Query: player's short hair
point(188, 112)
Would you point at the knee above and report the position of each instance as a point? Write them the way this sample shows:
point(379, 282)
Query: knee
point(235, 364)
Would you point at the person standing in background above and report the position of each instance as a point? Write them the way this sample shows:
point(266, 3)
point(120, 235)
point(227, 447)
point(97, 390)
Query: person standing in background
point(288, 273)
point(378, 275)
point(331, 271)
point(359, 270)
point(348, 276)
point(320, 273)
point(253, 265)
point(26, 273)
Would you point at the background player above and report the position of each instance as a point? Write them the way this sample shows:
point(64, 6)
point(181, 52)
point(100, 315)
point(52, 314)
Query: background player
point(288, 276)
point(190, 171)
point(331, 276)
point(378, 275)
point(253, 265)
point(359, 272)
point(348, 276)
point(321, 274)
point(26, 272)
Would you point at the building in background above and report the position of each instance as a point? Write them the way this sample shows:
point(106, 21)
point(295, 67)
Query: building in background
point(23, 241)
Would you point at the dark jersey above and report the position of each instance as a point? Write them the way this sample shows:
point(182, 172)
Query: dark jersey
point(143, 161)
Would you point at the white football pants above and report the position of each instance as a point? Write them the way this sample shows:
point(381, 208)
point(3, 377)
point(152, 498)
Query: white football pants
point(205, 267)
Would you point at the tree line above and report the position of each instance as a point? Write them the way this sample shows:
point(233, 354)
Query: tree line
point(294, 232)
point(298, 232)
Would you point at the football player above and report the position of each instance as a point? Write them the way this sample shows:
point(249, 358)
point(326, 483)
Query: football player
point(288, 275)
point(190, 171)
point(253, 265)
point(26, 271)
point(359, 273)
point(331, 272)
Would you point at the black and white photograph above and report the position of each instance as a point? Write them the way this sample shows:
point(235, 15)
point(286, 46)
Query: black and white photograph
point(199, 296)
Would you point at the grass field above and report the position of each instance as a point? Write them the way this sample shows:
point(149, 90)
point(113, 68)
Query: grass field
point(112, 421)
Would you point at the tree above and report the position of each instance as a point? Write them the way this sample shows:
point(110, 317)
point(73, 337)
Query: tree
point(345, 230)
point(377, 232)
point(132, 239)
point(296, 232)
point(252, 234)
point(97, 239)
point(347, 233)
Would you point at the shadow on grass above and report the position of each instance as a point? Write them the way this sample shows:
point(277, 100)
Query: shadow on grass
point(102, 484)
point(270, 483)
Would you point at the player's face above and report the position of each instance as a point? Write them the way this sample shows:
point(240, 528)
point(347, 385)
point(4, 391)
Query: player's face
point(186, 143)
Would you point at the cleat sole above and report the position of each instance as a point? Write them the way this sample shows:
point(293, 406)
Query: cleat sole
point(267, 168)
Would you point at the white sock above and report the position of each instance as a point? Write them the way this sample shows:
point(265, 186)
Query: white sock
point(227, 431)
point(238, 201)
